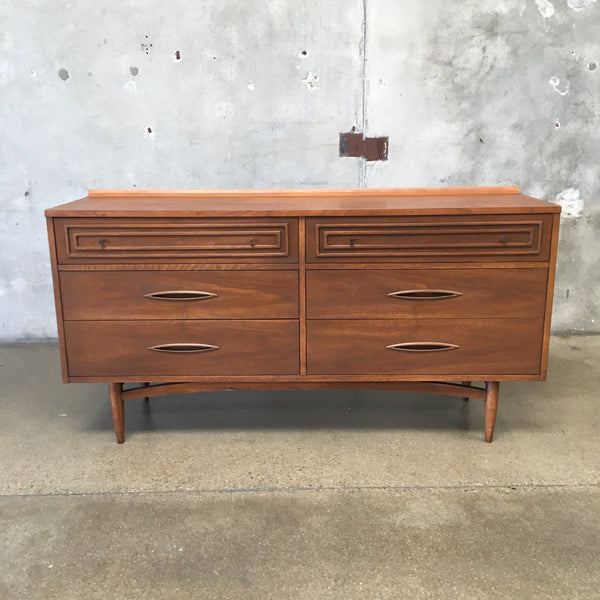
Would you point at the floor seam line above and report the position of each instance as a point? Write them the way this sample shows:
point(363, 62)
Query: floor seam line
point(304, 489)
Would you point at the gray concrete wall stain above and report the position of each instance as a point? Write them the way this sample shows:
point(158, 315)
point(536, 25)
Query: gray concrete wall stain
point(180, 96)
point(498, 92)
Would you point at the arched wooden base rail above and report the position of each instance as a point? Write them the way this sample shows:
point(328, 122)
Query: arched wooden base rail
point(465, 390)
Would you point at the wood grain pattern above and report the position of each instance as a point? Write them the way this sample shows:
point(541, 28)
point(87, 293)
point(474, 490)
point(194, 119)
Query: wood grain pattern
point(120, 295)
point(58, 301)
point(298, 203)
point(429, 239)
point(344, 347)
point(494, 293)
point(174, 266)
point(82, 240)
point(491, 409)
point(295, 288)
point(118, 411)
point(163, 389)
point(119, 349)
point(431, 266)
point(313, 381)
point(322, 192)
point(302, 293)
point(550, 295)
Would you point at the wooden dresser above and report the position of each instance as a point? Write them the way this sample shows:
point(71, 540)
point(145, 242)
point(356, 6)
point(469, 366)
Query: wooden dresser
point(409, 289)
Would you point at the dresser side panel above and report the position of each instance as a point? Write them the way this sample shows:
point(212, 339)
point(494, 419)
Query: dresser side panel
point(550, 296)
point(57, 299)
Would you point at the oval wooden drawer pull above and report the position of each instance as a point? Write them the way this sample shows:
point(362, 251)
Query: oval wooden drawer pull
point(183, 348)
point(180, 295)
point(424, 294)
point(422, 347)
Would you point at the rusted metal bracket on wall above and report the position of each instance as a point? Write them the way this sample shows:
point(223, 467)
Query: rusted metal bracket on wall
point(371, 148)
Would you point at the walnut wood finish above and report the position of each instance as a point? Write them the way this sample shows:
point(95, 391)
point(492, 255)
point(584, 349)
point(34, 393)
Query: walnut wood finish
point(466, 383)
point(123, 295)
point(550, 295)
point(84, 240)
point(302, 296)
point(429, 239)
point(307, 193)
point(58, 300)
point(296, 381)
point(174, 266)
point(297, 203)
point(446, 388)
point(399, 289)
point(118, 411)
point(120, 349)
point(355, 347)
point(491, 408)
point(499, 293)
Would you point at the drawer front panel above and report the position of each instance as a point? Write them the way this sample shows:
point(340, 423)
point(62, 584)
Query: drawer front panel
point(120, 349)
point(129, 295)
point(440, 293)
point(176, 240)
point(422, 347)
point(452, 238)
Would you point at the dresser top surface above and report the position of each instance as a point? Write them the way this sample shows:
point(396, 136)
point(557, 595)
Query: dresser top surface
point(302, 202)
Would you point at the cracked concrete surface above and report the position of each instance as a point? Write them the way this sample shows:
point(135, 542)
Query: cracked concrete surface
point(299, 494)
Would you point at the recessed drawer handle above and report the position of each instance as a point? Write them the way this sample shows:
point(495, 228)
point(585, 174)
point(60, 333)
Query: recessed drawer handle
point(183, 348)
point(424, 294)
point(422, 347)
point(180, 295)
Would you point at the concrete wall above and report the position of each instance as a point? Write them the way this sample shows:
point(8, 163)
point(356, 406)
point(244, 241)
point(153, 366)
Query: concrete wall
point(213, 94)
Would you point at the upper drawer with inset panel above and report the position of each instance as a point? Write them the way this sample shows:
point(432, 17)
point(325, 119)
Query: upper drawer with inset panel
point(116, 240)
point(426, 239)
point(132, 295)
point(416, 293)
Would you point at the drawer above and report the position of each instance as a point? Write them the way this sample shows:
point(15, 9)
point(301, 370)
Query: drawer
point(124, 349)
point(424, 239)
point(129, 295)
point(81, 240)
point(431, 347)
point(440, 293)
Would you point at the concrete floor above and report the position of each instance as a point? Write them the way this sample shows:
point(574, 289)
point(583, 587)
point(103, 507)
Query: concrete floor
point(299, 494)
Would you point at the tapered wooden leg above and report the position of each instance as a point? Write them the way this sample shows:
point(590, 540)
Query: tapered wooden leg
point(146, 384)
point(466, 398)
point(491, 408)
point(118, 413)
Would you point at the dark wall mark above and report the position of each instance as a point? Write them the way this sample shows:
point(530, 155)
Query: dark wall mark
point(134, 71)
point(177, 55)
point(149, 130)
point(146, 46)
point(63, 74)
point(593, 66)
point(353, 144)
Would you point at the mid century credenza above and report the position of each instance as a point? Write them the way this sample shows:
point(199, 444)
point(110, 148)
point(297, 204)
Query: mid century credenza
point(398, 289)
